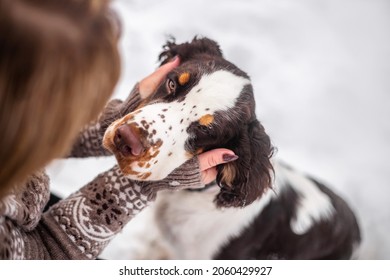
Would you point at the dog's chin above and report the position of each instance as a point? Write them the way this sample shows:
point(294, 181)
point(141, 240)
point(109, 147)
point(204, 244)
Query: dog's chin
point(131, 174)
point(130, 168)
point(133, 170)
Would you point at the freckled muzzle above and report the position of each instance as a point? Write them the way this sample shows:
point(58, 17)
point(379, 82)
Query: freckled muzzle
point(137, 147)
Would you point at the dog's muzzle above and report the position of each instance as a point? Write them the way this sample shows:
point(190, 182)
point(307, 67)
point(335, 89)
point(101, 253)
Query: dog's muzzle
point(127, 141)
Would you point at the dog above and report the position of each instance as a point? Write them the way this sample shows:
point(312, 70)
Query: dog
point(258, 207)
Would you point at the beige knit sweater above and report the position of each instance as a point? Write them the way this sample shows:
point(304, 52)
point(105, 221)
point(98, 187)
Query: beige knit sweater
point(80, 226)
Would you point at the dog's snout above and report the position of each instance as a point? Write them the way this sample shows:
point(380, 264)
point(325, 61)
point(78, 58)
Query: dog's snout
point(127, 141)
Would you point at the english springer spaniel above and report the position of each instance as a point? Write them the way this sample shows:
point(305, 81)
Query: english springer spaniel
point(258, 207)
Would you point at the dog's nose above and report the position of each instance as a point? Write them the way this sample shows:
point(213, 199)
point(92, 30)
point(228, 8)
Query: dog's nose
point(127, 141)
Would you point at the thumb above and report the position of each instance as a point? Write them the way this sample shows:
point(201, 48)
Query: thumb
point(149, 84)
point(215, 157)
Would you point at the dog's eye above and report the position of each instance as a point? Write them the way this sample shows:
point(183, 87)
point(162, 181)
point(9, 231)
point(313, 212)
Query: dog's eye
point(171, 86)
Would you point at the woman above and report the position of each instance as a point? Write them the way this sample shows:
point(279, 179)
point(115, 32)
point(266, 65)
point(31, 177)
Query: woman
point(59, 64)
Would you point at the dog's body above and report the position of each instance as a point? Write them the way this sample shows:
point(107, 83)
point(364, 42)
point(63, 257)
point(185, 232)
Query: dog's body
point(258, 208)
point(298, 219)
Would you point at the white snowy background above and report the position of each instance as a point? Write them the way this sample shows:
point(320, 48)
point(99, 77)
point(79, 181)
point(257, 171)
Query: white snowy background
point(321, 75)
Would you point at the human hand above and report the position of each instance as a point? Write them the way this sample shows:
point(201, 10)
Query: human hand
point(210, 159)
point(184, 176)
point(149, 84)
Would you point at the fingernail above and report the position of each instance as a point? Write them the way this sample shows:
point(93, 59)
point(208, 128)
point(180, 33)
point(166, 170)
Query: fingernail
point(175, 58)
point(228, 157)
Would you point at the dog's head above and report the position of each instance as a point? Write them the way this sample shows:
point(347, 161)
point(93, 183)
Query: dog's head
point(205, 103)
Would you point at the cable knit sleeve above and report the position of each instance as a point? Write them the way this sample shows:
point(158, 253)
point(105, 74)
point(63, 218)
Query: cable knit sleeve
point(81, 226)
point(89, 141)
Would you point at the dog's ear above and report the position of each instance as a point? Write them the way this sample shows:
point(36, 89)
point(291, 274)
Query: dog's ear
point(189, 50)
point(245, 179)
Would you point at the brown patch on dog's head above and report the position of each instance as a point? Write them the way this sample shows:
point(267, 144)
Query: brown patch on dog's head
point(184, 78)
point(206, 120)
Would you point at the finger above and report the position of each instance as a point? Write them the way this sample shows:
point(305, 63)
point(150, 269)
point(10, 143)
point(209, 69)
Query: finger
point(163, 70)
point(208, 175)
point(149, 84)
point(215, 157)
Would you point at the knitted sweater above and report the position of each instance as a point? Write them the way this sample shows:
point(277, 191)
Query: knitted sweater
point(81, 226)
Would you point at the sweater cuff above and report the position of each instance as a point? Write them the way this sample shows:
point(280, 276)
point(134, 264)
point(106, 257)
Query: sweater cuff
point(186, 176)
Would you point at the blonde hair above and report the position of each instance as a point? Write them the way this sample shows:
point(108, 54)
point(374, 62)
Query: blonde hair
point(59, 64)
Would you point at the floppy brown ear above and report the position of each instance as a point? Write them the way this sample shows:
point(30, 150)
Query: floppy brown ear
point(245, 179)
point(189, 50)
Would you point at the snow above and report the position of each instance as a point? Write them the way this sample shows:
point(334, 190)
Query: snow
point(320, 71)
